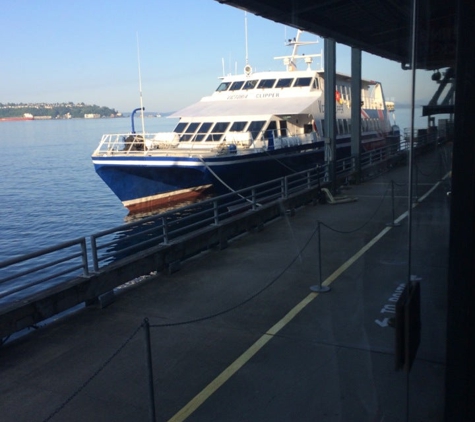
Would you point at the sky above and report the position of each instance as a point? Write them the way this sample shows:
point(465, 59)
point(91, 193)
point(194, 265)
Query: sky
point(167, 53)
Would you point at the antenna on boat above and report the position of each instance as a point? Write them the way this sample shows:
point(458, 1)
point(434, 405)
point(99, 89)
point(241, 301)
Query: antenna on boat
point(247, 67)
point(140, 87)
point(295, 43)
point(245, 36)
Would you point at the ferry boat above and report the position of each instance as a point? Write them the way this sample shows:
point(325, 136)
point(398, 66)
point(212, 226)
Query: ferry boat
point(255, 127)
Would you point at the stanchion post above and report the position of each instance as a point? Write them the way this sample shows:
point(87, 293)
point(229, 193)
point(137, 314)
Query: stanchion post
point(393, 222)
point(318, 287)
point(148, 353)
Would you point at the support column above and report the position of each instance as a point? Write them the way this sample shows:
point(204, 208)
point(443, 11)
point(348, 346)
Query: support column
point(356, 109)
point(330, 108)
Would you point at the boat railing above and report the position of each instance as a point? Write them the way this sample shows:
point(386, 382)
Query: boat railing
point(30, 274)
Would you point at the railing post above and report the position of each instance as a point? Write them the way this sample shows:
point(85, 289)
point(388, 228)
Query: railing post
point(254, 201)
point(148, 355)
point(95, 258)
point(216, 212)
point(318, 287)
point(85, 266)
point(165, 230)
point(393, 222)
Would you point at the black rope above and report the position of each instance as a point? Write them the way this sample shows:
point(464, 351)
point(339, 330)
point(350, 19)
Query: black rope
point(94, 375)
point(225, 311)
point(364, 224)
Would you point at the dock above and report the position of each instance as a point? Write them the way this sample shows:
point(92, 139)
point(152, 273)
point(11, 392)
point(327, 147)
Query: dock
point(293, 321)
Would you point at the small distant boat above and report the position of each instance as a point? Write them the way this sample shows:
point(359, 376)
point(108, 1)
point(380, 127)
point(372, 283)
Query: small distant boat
point(26, 116)
point(256, 126)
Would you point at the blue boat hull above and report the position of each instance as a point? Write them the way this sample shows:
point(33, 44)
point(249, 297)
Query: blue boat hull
point(143, 182)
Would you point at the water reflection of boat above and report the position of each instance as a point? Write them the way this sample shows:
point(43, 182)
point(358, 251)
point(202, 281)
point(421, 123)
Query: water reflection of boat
point(255, 127)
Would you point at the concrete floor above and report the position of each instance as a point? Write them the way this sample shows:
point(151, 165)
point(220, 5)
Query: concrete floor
point(239, 334)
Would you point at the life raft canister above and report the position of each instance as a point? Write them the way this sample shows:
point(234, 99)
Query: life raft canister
point(338, 97)
point(314, 127)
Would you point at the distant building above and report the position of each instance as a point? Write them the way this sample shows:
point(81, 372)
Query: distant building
point(92, 116)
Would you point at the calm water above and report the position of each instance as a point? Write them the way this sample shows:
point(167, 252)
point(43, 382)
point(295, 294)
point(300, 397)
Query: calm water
point(49, 191)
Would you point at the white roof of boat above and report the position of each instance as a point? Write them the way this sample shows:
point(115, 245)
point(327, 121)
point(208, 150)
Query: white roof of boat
point(247, 107)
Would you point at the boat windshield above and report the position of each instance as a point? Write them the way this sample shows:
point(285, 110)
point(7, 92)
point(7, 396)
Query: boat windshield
point(302, 82)
point(238, 126)
point(236, 85)
point(284, 83)
point(266, 83)
point(203, 131)
point(256, 127)
point(217, 132)
point(223, 86)
point(190, 130)
point(250, 84)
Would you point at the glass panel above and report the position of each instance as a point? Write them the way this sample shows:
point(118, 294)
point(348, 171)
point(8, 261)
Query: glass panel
point(190, 130)
point(255, 128)
point(223, 86)
point(266, 83)
point(217, 132)
point(250, 84)
point(302, 82)
point(180, 127)
point(238, 126)
point(203, 130)
point(235, 86)
point(284, 83)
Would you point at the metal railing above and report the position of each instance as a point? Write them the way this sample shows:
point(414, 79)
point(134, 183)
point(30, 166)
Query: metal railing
point(52, 266)
point(114, 244)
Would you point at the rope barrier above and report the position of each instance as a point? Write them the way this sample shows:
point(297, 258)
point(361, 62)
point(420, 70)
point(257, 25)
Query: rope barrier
point(94, 375)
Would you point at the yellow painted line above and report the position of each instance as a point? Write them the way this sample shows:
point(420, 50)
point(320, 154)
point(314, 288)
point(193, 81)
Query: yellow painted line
point(239, 362)
point(214, 385)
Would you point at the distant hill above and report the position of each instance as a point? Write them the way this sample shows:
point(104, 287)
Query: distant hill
point(56, 110)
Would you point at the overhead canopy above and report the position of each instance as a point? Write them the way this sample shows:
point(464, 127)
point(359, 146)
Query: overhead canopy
point(265, 106)
point(380, 27)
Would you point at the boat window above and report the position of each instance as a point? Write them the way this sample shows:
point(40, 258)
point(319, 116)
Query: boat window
point(255, 128)
point(217, 132)
point(266, 83)
point(203, 130)
point(323, 127)
point(340, 126)
point(189, 132)
point(238, 126)
point(250, 84)
point(271, 129)
point(284, 83)
point(315, 84)
point(302, 82)
point(180, 127)
point(223, 86)
point(345, 126)
point(236, 85)
point(283, 128)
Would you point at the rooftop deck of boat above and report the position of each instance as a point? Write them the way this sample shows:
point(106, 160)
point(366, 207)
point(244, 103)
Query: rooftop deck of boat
point(239, 335)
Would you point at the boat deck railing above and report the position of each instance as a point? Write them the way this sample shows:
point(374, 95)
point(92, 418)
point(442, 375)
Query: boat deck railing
point(26, 275)
point(160, 143)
